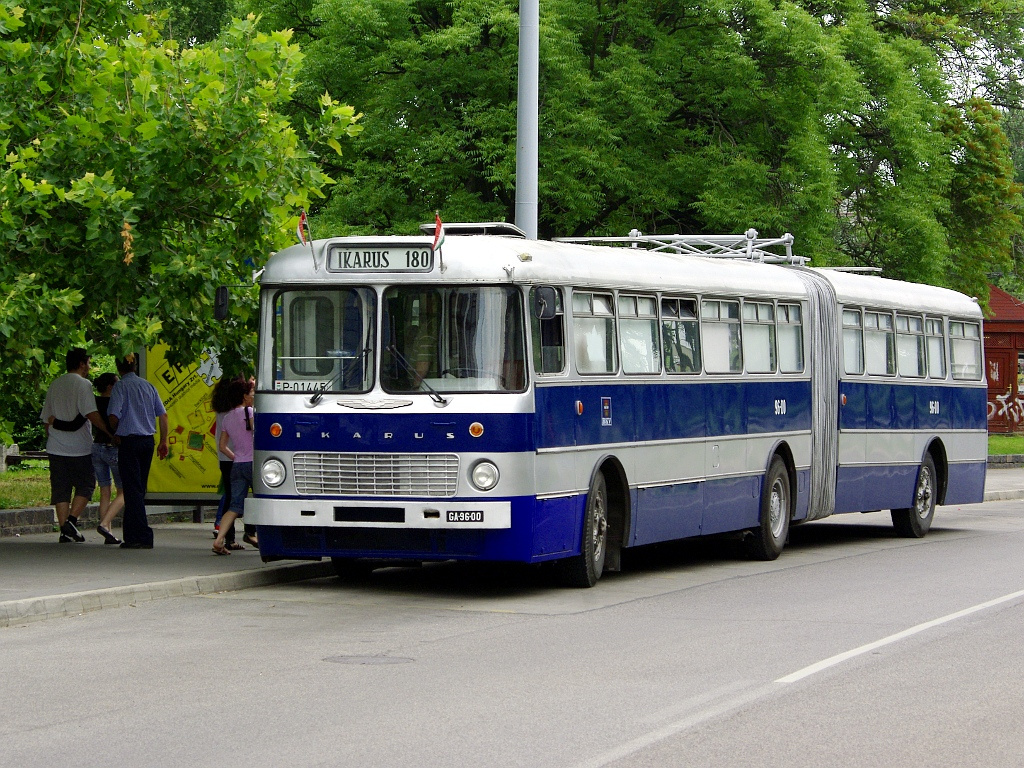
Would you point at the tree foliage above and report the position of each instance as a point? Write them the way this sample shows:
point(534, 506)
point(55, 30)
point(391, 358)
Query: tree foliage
point(865, 128)
point(137, 176)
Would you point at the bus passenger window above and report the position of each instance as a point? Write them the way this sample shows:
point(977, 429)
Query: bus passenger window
point(910, 345)
point(759, 336)
point(936, 349)
point(721, 328)
point(965, 350)
point(549, 338)
point(593, 332)
point(638, 334)
point(853, 342)
point(681, 335)
point(791, 339)
point(879, 344)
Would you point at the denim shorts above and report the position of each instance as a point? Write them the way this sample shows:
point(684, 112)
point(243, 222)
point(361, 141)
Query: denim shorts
point(241, 484)
point(104, 464)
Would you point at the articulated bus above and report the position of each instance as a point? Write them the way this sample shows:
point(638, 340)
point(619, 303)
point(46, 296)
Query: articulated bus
point(509, 399)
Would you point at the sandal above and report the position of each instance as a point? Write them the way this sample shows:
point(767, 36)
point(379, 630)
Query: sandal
point(250, 539)
point(221, 550)
point(234, 546)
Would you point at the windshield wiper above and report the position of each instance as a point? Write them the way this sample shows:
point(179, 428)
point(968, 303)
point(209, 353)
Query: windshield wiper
point(409, 369)
point(319, 394)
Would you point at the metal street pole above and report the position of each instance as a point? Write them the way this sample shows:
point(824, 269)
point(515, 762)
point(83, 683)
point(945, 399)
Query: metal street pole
point(526, 121)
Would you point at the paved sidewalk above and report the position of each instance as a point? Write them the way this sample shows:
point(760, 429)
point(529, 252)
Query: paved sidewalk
point(41, 579)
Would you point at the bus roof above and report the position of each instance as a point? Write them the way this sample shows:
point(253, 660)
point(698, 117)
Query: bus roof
point(883, 293)
point(494, 259)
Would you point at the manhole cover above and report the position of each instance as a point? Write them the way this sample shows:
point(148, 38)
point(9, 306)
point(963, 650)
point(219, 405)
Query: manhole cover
point(367, 660)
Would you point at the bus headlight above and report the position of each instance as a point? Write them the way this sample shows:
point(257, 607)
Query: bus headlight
point(273, 472)
point(484, 475)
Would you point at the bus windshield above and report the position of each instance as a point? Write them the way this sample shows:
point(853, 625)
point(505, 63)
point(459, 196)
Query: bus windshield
point(457, 339)
point(323, 340)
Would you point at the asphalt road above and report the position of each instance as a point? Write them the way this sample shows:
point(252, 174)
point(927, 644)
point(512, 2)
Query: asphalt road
point(855, 648)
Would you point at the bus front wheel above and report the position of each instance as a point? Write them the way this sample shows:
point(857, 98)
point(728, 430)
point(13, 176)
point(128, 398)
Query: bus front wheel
point(767, 540)
point(914, 522)
point(585, 569)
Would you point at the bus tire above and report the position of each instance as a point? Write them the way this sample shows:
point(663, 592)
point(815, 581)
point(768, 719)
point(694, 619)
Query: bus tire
point(584, 569)
point(767, 540)
point(351, 569)
point(914, 522)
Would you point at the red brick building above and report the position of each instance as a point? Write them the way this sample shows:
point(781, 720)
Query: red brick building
point(1004, 362)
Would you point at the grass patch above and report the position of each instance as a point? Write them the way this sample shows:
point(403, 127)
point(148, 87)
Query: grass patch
point(1003, 444)
point(24, 485)
point(27, 485)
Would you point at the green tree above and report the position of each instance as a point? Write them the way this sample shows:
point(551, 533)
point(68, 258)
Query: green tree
point(138, 175)
point(835, 120)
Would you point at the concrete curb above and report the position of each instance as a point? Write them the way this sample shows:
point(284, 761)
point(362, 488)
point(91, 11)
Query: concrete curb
point(1004, 495)
point(31, 609)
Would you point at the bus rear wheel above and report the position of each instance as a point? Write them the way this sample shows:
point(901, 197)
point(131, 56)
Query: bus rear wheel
point(586, 568)
point(914, 522)
point(767, 540)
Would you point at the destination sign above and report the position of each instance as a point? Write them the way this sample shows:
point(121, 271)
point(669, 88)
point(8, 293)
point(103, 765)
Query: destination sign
point(375, 259)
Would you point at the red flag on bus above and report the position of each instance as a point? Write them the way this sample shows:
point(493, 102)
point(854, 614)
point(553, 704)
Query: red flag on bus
point(438, 232)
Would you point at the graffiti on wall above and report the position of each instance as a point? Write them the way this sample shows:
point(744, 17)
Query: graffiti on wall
point(1007, 406)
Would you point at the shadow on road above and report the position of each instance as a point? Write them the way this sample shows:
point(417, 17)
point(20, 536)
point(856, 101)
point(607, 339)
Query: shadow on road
point(472, 579)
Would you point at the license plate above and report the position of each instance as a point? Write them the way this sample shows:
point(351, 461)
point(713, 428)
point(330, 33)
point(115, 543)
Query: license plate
point(465, 517)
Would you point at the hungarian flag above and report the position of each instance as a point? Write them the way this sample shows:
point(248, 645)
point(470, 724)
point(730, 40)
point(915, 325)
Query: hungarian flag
point(303, 229)
point(438, 232)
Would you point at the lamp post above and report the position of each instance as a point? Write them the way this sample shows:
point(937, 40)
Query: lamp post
point(526, 119)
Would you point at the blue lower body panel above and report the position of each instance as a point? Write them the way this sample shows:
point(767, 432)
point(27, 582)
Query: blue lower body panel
point(861, 489)
point(966, 483)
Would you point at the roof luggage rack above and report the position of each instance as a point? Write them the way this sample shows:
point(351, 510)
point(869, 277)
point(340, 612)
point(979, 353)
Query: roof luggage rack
point(747, 246)
point(475, 228)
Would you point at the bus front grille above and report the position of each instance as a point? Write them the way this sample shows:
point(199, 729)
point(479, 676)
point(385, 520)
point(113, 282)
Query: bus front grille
point(376, 474)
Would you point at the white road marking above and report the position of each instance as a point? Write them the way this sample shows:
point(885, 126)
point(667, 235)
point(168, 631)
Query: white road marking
point(841, 657)
point(742, 698)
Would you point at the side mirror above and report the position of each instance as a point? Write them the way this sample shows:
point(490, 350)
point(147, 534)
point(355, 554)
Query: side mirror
point(220, 303)
point(544, 302)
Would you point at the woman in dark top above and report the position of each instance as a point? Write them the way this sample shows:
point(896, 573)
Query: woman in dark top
point(104, 462)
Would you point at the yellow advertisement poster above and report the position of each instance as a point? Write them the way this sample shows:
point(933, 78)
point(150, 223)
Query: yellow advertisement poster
point(191, 471)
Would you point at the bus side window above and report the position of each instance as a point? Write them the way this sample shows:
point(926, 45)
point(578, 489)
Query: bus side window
point(936, 348)
point(638, 334)
point(759, 336)
point(680, 335)
point(853, 342)
point(548, 338)
point(594, 332)
point(879, 344)
point(720, 324)
point(965, 350)
point(791, 339)
point(910, 345)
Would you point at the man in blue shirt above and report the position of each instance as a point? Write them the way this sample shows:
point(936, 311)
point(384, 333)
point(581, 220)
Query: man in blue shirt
point(134, 410)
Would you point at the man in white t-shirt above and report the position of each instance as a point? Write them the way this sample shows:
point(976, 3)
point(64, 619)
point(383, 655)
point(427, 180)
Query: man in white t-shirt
point(70, 399)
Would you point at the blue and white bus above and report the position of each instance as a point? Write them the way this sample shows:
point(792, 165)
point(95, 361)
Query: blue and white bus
point(520, 400)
